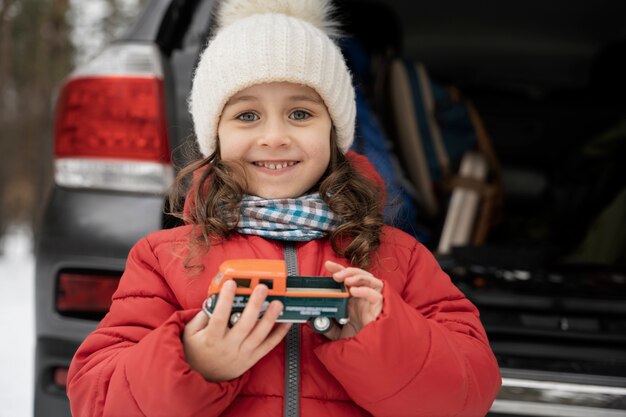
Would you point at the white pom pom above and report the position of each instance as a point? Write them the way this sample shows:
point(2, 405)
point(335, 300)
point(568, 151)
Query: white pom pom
point(316, 12)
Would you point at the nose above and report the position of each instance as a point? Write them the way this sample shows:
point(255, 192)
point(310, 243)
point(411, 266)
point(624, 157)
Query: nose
point(275, 133)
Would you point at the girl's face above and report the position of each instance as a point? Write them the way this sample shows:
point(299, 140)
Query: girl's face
point(281, 133)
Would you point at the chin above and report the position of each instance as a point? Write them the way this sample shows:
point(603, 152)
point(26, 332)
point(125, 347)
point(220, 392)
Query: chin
point(278, 193)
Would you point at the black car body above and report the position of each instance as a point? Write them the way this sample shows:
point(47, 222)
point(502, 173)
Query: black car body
point(532, 69)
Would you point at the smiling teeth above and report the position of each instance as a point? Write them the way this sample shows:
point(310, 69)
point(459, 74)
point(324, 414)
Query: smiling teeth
point(275, 165)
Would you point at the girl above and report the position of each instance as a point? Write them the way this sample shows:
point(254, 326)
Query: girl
point(273, 109)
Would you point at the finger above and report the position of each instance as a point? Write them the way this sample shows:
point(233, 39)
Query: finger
point(349, 272)
point(264, 326)
point(219, 320)
point(364, 281)
point(197, 323)
point(333, 267)
point(250, 314)
point(277, 334)
point(366, 293)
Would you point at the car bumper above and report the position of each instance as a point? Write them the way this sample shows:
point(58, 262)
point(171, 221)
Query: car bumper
point(528, 393)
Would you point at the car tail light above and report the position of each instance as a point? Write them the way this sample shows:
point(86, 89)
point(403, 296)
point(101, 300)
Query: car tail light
point(85, 295)
point(111, 124)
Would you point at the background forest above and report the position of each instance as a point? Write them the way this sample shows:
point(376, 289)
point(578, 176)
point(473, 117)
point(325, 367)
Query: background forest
point(40, 42)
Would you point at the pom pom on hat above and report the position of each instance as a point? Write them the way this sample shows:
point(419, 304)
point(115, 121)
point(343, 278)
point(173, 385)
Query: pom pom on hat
point(263, 41)
point(315, 12)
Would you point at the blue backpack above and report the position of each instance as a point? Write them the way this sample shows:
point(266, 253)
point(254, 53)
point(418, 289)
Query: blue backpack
point(370, 141)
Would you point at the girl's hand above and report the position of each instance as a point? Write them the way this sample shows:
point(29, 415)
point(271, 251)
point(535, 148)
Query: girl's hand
point(365, 304)
point(220, 353)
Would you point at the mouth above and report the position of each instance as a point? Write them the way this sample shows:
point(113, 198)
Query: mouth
point(275, 165)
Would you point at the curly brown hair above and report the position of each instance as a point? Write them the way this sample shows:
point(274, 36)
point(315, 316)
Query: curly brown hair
point(217, 187)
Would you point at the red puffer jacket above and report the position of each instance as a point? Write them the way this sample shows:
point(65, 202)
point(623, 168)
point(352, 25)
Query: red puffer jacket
point(425, 355)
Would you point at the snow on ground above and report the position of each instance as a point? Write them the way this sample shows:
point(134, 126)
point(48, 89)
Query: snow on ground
point(17, 325)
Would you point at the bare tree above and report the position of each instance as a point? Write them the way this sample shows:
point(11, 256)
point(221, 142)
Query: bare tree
point(6, 42)
point(36, 55)
point(5, 46)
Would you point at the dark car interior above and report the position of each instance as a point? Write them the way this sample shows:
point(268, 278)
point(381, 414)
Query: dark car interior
point(547, 80)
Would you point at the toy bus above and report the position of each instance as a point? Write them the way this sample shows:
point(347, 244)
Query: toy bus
point(312, 299)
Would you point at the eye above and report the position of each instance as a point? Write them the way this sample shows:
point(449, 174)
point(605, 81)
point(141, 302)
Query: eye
point(300, 115)
point(248, 117)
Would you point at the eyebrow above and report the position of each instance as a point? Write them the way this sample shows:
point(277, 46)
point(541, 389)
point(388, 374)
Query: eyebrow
point(234, 100)
point(306, 97)
point(298, 97)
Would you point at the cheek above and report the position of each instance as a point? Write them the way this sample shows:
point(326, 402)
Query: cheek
point(324, 155)
point(227, 146)
point(319, 142)
point(227, 153)
point(323, 150)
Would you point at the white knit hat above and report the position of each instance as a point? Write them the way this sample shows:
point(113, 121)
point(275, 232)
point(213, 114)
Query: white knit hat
point(263, 41)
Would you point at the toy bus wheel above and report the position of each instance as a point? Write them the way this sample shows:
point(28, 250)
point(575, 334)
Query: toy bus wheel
point(234, 318)
point(321, 324)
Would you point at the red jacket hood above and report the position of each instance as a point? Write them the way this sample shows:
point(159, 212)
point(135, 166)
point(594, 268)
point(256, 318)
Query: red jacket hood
point(360, 162)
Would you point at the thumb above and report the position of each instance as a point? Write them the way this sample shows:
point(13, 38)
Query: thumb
point(197, 323)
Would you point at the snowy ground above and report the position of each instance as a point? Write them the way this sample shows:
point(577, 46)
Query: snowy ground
point(17, 326)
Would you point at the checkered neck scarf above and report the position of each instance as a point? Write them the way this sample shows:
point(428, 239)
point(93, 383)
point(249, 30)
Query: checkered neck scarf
point(296, 219)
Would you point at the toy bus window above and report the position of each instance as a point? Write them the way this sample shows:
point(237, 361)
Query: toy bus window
point(268, 282)
point(243, 282)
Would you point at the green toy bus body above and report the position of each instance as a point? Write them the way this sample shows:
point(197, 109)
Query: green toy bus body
point(305, 298)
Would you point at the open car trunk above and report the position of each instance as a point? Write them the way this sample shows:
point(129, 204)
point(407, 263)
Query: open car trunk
point(549, 277)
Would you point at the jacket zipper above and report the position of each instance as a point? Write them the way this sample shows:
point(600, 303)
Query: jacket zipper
point(292, 345)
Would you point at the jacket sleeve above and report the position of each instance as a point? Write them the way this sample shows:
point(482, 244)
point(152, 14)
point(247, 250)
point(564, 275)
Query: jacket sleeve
point(425, 355)
point(133, 364)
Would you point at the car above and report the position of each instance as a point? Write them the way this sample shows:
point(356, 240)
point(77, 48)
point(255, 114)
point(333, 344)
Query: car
point(316, 300)
point(529, 193)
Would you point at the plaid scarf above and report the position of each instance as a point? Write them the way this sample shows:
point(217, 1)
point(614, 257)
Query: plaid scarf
point(296, 219)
